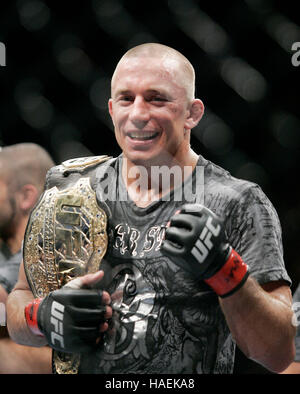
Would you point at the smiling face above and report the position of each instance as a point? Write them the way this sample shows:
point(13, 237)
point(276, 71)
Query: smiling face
point(151, 110)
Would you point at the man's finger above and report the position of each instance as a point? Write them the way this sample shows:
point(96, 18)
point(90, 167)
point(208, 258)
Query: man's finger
point(86, 280)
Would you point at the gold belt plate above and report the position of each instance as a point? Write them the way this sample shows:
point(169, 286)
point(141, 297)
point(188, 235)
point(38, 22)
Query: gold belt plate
point(65, 238)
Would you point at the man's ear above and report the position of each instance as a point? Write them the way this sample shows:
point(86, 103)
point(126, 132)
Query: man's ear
point(110, 109)
point(196, 111)
point(27, 196)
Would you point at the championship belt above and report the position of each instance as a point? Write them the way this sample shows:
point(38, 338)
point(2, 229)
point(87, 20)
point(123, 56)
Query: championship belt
point(65, 238)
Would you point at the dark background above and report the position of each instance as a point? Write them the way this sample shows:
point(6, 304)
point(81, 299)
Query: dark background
point(60, 57)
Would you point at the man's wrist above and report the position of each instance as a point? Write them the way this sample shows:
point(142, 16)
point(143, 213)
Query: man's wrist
point(230, 277)
point(31, 311)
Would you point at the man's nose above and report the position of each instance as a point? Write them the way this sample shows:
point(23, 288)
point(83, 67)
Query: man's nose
point(139, 114)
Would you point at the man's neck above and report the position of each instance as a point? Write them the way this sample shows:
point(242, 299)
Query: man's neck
point(148, 183)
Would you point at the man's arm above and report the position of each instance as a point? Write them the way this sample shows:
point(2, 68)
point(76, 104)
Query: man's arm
point(15, 358)
point(19, 359)
point(84, 313)
point(292, 369)
point(17, 300)
point(260, 320)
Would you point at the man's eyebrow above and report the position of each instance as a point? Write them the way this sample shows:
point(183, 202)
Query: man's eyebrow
point(121, 92)
point(158, 91)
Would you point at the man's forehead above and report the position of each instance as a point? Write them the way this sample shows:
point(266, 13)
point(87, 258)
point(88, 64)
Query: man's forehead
point(140, 63)
point(162, 69)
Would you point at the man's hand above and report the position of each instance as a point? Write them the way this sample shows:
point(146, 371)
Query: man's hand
point(73, 317)
point(195, 241)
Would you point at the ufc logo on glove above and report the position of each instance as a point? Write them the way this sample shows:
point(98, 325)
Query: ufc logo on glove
point(57, 316)
point(201, 249)
point(195, 240)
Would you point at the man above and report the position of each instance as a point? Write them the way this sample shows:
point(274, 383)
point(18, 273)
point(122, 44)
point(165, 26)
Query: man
point(175, 282)
point(23, 168)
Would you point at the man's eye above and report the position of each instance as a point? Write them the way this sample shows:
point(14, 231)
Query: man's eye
point(158, 99)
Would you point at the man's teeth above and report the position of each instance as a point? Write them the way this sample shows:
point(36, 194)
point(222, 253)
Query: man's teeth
point(143, 136)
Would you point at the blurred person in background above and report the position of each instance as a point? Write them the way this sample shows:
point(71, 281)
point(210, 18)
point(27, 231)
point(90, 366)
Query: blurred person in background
point(23, 168)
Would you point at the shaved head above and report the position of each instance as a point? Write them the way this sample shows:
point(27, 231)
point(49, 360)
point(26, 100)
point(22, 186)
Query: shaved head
point(173, 62)
point(25, 163)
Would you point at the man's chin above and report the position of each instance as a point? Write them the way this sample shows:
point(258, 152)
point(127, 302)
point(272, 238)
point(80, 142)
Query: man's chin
point(147, 160)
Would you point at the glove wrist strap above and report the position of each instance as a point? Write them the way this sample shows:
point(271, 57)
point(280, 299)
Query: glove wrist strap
point(31, 316)
point(230, 277)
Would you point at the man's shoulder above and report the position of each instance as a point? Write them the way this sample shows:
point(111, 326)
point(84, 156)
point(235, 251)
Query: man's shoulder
point(224, 192)
point(70, 170)
point(82, 163)
point(218, 180)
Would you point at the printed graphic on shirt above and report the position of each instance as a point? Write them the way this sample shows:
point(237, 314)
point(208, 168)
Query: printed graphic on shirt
point(129, 240)
point(133, 303)
point(162, 321)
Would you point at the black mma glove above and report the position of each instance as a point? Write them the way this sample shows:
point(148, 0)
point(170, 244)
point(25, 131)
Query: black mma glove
point(195, 241)
point(68, 318)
